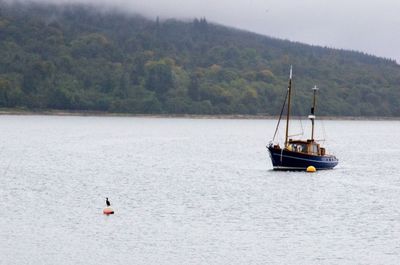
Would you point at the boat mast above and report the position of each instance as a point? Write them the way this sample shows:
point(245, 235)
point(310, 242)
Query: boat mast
point(312, 116)
point(288, 108)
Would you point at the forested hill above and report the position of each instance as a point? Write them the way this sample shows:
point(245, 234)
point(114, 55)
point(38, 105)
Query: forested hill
point(77, 58)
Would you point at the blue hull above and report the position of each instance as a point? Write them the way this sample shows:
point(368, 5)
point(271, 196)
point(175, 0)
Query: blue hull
point(289, 160)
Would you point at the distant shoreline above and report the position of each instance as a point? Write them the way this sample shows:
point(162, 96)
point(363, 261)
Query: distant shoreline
point(17, 112)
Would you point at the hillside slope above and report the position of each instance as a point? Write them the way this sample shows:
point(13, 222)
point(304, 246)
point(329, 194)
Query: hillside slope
point(77, 58)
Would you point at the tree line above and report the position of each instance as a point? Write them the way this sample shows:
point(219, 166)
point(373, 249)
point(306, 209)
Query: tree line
point(74, 57)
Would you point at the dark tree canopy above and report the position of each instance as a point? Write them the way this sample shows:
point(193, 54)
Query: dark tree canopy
point(74, 57)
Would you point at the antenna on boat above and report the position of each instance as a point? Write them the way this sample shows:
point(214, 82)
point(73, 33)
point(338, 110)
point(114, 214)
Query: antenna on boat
point(312, 116)
point(288, 108)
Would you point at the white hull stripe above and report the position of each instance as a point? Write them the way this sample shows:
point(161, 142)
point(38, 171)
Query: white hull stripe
point(293, 168)
point(316, 161)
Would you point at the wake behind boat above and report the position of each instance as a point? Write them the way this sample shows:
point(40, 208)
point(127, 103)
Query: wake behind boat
point(299, 154)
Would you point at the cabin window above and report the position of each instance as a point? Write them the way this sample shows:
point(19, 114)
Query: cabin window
point(299, 148)
point(314, 149)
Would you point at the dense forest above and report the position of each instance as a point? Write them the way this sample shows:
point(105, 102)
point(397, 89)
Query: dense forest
point(75, 57)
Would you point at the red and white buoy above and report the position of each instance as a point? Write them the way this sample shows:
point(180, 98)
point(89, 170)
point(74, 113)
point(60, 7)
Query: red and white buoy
point(108, 210)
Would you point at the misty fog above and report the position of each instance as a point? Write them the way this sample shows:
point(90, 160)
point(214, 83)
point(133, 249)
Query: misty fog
point(367, 26)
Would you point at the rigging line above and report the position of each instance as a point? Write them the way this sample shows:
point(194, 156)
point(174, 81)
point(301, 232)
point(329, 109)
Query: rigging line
point(301, 126)
point(293, 135)
point(280, 116)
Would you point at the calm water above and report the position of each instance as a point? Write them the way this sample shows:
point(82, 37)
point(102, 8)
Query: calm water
point(192, 191)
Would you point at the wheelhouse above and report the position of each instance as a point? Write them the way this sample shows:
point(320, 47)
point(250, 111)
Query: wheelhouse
point(308, 147)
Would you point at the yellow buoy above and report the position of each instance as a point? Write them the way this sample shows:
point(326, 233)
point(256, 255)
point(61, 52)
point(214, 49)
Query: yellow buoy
point(311, 169)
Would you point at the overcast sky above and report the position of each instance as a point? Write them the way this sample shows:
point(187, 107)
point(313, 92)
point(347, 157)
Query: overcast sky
point(370, 26)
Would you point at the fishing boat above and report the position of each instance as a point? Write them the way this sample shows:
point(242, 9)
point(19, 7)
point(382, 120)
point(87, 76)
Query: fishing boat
point(297, 154)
